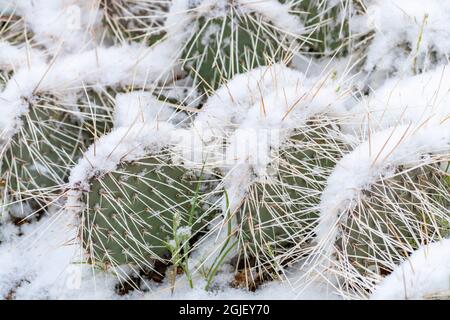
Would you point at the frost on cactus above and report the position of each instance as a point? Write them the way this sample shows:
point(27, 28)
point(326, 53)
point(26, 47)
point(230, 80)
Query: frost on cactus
point(134, 212)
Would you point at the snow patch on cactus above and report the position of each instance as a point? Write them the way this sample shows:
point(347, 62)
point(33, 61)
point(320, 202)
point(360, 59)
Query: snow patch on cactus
point(410, 35)
point(140, 107)
point(272, 120)
point(422, 100)
point(14, 57)
point(122, 144)
point(267, 118)
point(425, 274)
point(276, 12)
point(227, 108)
point(116, 66)
point(63, 26)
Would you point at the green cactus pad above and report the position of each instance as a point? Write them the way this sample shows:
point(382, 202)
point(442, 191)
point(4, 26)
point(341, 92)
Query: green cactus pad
point(327, 25)
point(420, 199)
point(96, 110)
point(129, 214)
point(278, 213)
point(229, 45)
point(38, 158)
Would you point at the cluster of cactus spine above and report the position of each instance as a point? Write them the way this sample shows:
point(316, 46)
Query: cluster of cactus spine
point(131, 20)
point(230, 44)
point(12, 27)
point(391, 206)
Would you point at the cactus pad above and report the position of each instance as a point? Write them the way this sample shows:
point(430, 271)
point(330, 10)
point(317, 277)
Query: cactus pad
point(225, 46)
point(399, 213)
point(131, 213)
point(39, 157)
point(279, 213)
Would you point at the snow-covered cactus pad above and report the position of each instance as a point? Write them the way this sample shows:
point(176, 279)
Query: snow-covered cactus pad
point(134, 202)
point(279, 212)
point(232, 37)
point(376, 213)
point(424, 275)
point(35, 163)
point(284, 144)
point(294, 148)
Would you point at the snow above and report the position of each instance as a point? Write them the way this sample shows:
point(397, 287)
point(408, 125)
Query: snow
point(409, 35)
point(227, 108)
point(425, 274)
point(65, 25)
point(128, 64)
point(356, 171)
point(139, 106)
point(33, 264)
point(284, 100)
point(269, 123)
point(13, 57)
point(277, 13)
point(422, 100)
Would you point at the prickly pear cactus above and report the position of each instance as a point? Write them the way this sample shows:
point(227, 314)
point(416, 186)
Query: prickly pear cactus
point(37, 161)
point(234, 37)
point(134, 212)
point(396, 216)
point(375, 214)
point(327, 24)
point(278, 215)
point(4, 76)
